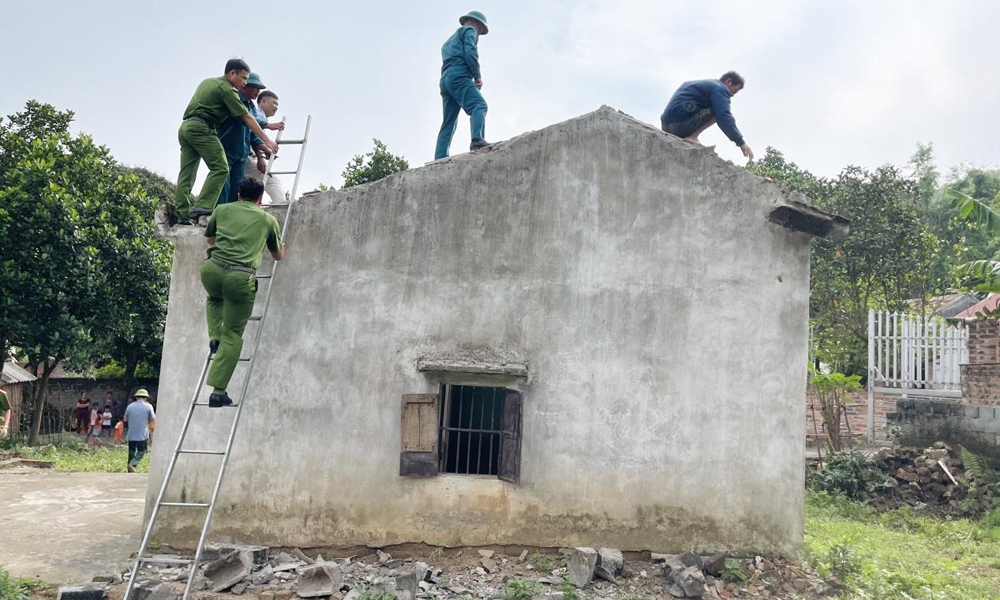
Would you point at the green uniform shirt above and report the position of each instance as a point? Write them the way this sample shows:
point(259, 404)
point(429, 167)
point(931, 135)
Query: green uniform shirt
point(214, 101)
point(240, 230)
point(4, 406)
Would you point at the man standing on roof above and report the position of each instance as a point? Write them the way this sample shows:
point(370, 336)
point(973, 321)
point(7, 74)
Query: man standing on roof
point(238, 141)
point(697, 105)
point(461, 82)
point(216, 99)
point(236, 236)
point(256, 166)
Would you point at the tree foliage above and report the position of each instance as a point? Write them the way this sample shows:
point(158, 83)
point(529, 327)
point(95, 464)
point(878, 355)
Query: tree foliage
point(375, 165)
point(885, 260)
point(77, 250)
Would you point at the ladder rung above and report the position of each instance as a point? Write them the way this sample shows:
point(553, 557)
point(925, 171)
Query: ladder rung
point(254, 318)
point(283, 173)
point(247, 359)
point(186, 504)
point(263, 277)
point(165, 561)
point(278, 204)
point(283, 142)
point(233, 405)
point(215, 452)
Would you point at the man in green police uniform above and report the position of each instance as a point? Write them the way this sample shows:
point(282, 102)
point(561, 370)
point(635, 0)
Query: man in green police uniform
point(215, 100)
point(236, 236)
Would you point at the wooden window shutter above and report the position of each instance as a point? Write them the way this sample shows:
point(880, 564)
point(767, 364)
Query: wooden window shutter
point(419, 455)
point(510, 439)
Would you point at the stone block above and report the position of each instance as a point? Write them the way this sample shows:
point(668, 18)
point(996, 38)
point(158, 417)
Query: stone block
point(93, 590)
point(320, 580)
point(611, 559)
point(212, 552)
point(716, 564)
point(406, 586)
point(692, 581)
point(690, 559)
point(582, 564)
point(230, 569)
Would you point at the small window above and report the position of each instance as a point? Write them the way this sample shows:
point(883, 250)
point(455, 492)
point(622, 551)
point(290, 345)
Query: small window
point(477, 431)
point(471, 424)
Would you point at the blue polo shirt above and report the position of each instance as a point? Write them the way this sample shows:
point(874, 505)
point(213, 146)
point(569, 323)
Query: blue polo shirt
point(137, 417)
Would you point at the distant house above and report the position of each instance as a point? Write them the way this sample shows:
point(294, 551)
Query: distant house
point(987, 304)
point(18, 383)
point(594, 334)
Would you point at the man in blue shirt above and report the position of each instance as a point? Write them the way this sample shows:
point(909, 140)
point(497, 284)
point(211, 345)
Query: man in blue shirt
point(697, 105)
point(138, 416)
point(238, 140)
point(461, 82)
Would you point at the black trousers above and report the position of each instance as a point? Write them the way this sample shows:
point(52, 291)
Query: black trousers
point(136, 450)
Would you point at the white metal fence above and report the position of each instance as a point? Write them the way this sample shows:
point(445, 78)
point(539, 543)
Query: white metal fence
point(910, 353)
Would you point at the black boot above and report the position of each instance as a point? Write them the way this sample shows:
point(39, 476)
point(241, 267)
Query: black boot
point(220, 400)
point(478, 143)
point(213, 346)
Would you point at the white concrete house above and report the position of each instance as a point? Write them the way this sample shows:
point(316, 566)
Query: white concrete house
point(595, 334)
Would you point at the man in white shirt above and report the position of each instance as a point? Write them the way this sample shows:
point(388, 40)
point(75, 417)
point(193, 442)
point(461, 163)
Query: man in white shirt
point(267, 107)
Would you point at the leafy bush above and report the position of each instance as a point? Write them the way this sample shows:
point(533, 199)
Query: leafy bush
point(569, 591)
point(10, 588)
point(849, 473)
point(734, 572)
point(518, 589)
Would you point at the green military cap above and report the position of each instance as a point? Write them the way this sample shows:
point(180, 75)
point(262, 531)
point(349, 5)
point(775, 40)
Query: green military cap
point(142, 393)
point(473, 14)
point(254, 80)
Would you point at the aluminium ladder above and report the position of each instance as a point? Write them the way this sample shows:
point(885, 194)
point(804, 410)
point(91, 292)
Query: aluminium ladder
point(141, 557)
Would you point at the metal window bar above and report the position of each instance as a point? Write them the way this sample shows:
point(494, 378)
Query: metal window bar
point(457, 457)
point(141, 557)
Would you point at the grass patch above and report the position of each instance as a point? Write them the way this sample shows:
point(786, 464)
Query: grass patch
point(12, 588)
point(69, 453)
point(900, 554)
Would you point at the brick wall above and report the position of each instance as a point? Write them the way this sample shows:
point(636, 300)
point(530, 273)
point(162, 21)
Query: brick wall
point(923, 421)
point(984, 341)
point(61, 396)
point(857, 415)
point(981, 384)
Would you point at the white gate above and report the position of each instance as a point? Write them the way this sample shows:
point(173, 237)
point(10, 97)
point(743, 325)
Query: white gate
point(914, 356)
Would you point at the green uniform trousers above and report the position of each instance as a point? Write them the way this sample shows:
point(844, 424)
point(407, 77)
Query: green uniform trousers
point(230, 302)
point(199, 142)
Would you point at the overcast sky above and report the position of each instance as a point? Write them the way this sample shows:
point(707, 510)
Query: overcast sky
point(828, 83)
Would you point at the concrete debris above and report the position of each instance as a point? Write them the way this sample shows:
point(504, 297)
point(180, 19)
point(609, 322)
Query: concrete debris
point(603, 575)
point(83, 591)
point(486, 553)
point(230, 569)
point(582, 564)
point(611, 560)
point(301, 556)
point(319, 580)
point(110, 578)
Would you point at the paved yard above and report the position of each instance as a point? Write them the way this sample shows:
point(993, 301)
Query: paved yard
point(61, 527)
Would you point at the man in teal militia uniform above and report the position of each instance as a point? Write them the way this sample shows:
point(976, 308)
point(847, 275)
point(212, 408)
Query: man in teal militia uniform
point(215, 100)
point(236, 235)
point(461, 82)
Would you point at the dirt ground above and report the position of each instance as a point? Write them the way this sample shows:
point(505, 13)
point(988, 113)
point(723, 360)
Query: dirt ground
point(66, 527)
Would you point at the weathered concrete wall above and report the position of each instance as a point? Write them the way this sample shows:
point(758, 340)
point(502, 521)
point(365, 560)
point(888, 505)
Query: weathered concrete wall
point(923, 421)
point(663, 319)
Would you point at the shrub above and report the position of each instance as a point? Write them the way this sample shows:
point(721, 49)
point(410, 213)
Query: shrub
point(849, 473)
point(10, 588)
point(518, 589)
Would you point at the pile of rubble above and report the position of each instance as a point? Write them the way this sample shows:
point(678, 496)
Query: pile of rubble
point(571, 574)
point(932, 477)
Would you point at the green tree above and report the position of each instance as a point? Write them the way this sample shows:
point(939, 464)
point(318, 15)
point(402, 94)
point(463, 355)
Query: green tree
point(72, 239)
point(881, 264)
point(379, 163)
point(140, 281)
